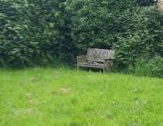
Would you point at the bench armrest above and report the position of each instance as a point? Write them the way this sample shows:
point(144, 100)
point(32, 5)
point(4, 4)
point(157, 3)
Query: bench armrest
point(108, 64)
point(81, 59)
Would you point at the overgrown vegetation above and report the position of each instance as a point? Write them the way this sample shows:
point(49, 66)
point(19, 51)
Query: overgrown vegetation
point(38, 32)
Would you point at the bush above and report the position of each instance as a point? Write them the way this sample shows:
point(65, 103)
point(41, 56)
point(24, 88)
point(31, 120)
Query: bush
point(156, 65)
point(149, 67)
point(143, 39)
point(144, 2)
point(32, 32)
point(96, 23)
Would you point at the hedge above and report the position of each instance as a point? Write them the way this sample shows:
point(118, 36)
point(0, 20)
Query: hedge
point(32, 32)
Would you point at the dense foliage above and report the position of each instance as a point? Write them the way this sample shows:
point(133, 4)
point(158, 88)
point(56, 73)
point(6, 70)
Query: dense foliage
point(36, 32)
point(144, 2)
point(136, 33)
point(32, 31)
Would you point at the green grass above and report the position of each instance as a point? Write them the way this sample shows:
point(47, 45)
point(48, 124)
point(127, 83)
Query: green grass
point(65, 97)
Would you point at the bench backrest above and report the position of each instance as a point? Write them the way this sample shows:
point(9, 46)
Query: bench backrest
point(100, 55)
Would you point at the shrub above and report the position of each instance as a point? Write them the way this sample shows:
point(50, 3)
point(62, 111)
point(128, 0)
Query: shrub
point(32, 32)
point(149, 67)
point(143, 39)
point(96, 23)
point(144, 2)
point(156, 65)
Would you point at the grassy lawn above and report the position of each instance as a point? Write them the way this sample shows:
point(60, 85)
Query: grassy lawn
point(64, 97)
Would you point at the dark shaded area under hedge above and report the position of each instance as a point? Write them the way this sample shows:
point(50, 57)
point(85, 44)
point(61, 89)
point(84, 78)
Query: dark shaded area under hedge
point(38, 32)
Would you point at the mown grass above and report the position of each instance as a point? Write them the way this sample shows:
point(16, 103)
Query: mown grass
point(65, 97)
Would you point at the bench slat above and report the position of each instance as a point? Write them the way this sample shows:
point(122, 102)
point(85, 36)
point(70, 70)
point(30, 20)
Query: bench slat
point(100, 66)
point(100, 54)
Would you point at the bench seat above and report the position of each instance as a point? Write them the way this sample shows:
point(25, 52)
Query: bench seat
point(87, 65)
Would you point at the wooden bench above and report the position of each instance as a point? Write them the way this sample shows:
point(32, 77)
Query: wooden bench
point(96, 58)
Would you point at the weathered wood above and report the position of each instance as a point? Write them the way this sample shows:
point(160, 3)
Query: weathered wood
point(81, 59)
point(96, 58)
point(160, 4)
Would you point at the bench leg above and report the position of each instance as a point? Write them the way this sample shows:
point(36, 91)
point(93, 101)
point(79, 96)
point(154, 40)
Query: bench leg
point(104, 70)
point(78, 67)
